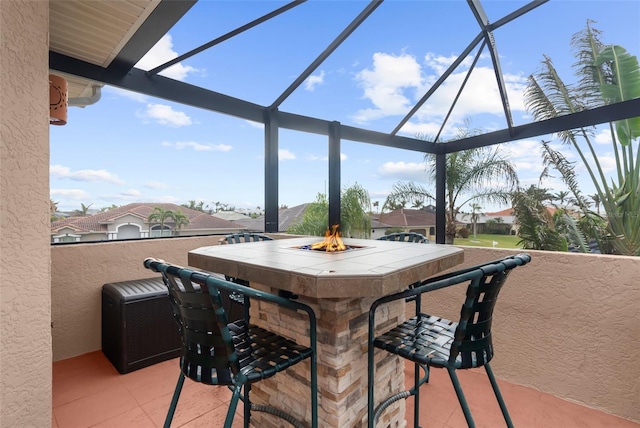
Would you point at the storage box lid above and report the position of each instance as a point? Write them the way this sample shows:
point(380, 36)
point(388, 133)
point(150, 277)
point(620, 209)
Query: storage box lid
point(136, 289)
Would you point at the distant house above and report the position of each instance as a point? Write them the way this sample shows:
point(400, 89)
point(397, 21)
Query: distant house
point(409, 220)
point(131, 221)
point(505, 226)
point(287, 217)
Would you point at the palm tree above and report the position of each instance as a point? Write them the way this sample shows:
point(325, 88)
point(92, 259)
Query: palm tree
point(475, 214)
point(53, 207)
point(159, 215)
point(83, 211)
point(471, 177)
point(355, 221)
point(179, 219)
point(561, 197)
point(607, 74)
point(536, 227)
point(193, 205)
point(112, 207)
point(596, 200)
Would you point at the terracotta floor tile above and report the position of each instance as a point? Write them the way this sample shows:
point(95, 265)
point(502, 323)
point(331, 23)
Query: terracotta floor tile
point(91, 360)
point(89, 392)
point(152, 382)
point(135, 418)
point(195, 400)
point(93, 409)
point(85, 375)
point(214, 418)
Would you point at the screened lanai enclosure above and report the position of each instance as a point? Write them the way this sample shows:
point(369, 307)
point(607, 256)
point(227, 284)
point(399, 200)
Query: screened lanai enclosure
point(93, 44)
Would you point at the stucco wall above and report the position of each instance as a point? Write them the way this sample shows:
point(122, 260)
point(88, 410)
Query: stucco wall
point(78, 273)
point(565, 324)
point(25, 332)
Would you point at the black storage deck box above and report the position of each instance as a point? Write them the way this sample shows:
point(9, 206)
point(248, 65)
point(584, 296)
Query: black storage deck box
point(138, 328)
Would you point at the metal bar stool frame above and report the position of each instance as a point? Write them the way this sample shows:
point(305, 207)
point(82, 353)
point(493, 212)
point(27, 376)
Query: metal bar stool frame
point(237, 354)
point(429, 341)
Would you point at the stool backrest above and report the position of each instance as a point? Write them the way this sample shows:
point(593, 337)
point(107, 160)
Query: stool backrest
point(208, 353)
point(239, 238)
point(472, 345)
point(405, 237)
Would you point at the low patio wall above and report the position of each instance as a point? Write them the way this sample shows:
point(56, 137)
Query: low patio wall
point(78, 273)
point(566, 324)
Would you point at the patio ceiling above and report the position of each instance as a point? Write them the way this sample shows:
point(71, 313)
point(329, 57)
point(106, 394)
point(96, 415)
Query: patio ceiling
point(99, 42)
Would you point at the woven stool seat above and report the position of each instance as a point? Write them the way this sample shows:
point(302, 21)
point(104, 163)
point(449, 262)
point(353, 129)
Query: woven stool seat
point(426, 339)
point(262, 353)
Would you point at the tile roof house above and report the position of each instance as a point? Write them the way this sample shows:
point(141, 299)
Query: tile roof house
point(287, 217)
point(410, 220)
point(131, 221)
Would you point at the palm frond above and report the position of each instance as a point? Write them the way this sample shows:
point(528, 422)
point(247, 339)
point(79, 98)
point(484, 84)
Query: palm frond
point(404, 192)
point(572, 232)
point(586, 44)
point(546, 96)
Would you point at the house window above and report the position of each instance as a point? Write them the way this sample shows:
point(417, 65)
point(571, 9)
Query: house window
point(158, 231)
point(66, 238)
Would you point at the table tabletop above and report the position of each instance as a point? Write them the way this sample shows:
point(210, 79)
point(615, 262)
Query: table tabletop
point(368, 268)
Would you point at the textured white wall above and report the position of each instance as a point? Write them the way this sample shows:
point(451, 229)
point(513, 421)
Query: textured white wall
point(25, 332)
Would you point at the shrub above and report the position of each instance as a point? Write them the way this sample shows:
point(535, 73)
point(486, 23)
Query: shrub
point(463, 233)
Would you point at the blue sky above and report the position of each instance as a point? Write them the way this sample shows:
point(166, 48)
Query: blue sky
point(134, 148)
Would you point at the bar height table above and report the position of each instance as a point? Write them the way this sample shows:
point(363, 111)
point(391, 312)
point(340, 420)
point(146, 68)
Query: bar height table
point(340, 287)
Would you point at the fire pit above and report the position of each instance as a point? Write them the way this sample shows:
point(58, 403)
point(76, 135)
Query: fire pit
point(340, 286)
point(332, 243)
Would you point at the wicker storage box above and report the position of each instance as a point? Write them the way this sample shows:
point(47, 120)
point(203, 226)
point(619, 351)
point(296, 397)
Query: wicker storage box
point(138, 328)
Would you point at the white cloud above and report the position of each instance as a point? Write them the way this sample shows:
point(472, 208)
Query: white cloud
point(385, 85)
point(161, 53)
point(165, 115)
point(156, 185)
point(132, 193)
point(135, 96)
point(59, 171)
point(603, 137)
point(253, 124)
point(284, 154)
point(440, 63)
point(198, 147)
point(127, 195)
point(408, 171)
point(314, 80)
point(428, 129)
point(75, 194)
point(395, 83)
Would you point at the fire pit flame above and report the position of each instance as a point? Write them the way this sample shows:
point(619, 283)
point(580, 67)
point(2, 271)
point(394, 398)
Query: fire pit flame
point(332, 241)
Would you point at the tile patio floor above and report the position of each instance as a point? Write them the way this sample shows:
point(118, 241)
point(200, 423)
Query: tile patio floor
point(89, 392)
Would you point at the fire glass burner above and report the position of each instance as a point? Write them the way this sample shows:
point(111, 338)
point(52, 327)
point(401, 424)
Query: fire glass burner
point(323, 250)
point(332, 242)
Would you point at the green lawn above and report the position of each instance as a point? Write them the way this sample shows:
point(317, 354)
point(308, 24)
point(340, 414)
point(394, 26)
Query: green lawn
point(503, 241)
